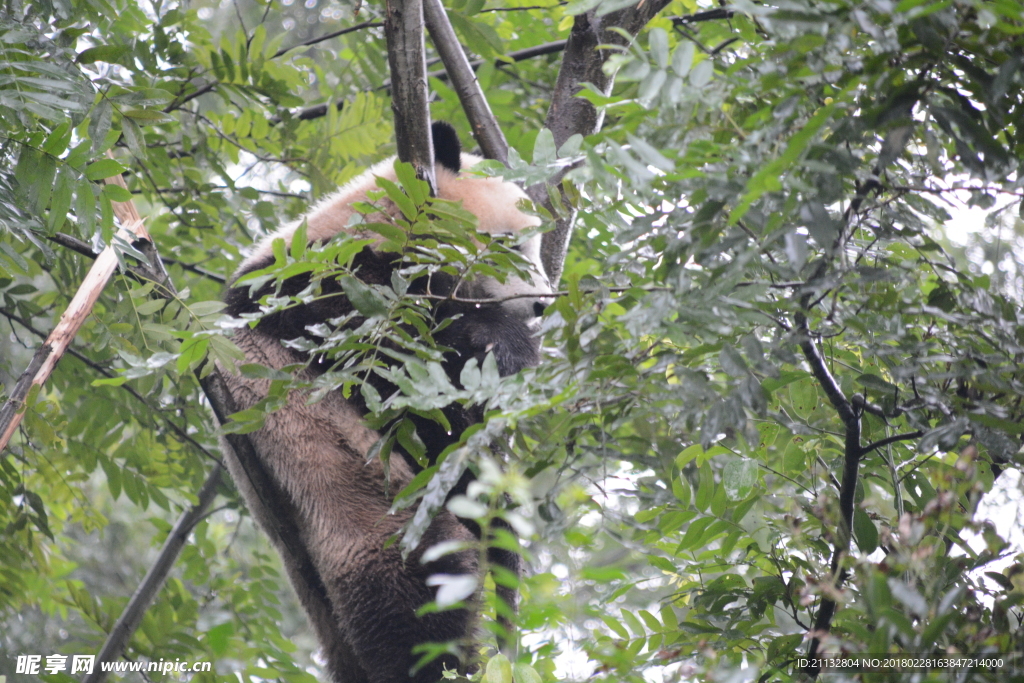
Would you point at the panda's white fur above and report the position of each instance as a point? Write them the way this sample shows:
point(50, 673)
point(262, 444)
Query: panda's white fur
point(364, 610)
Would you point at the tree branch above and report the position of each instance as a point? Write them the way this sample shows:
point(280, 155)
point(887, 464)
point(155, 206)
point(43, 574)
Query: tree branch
point(197, 270)
point(201, 90)
point(335, 34)
point(590, 43)
point(318, 110)
point(173, 426)
point(73, 243)
point(403, 30)
point(881, 443)
point(485, 127)
point(46, 357)
point(698, 17)
point(143, 596)
point(848, 487)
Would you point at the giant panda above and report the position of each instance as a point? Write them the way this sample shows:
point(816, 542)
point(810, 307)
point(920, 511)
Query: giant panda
point(316, 453)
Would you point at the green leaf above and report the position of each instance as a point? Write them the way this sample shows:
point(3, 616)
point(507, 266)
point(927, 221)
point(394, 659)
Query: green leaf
point(732, 362)
point(104, 168)
point(110, 381)
point(134, 137)
point(865, 532)
point(650, 155)
point(615, 626)
point(658, 43)
point(739, 478)
point(416, 188)
point(766, 179)
point(783, 646)
point(57, 141)
point(150, 307)
point(400, 198)
point(365, 298)
point(499, 670)
point(668, 617)
point(102, 53)
point(60, 201)
point(702, 74)
point(300, 243)
point(192, 352)
point(705, 489)
point(682, 58)
point(1000, 579)
point(694, 533)
point(259, 36)
point(146, 115)
point(634, 624)
point(99, 125)
point(479, 37)
point(116, 193)
point(524, 673)
point(544, 148)
point(85, 206)
point(218, 637)
point(650, 620)
point(409, 440)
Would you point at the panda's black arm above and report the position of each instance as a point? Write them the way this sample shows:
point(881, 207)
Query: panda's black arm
point(292, 322)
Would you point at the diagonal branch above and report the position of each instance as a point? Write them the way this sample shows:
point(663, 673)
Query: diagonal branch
point(328, 36)
point(46, 357)
point(485, 127)
point(133, 612)
point(171, 424)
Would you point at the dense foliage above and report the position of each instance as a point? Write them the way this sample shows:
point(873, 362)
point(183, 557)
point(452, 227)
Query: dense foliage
point(775, 392)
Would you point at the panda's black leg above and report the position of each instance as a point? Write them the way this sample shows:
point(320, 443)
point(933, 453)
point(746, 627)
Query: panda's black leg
point(378, 597)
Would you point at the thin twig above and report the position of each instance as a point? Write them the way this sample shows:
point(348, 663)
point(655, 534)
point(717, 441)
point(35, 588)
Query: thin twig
point(535, 295)
point(698, 17)
point(202, 90)
point(523, 9)
point(328, 36)
point(906, 436)
point(197, 270)
point(72, 243)
point(177, 190)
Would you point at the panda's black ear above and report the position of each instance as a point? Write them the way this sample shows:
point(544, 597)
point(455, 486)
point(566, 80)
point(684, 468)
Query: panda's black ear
point(447, 148)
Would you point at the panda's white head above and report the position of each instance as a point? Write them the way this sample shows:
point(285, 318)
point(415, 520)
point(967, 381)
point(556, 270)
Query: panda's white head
point(519, 302)
point(495, 202)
